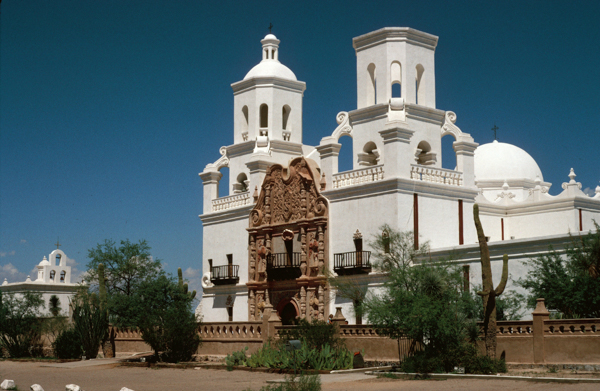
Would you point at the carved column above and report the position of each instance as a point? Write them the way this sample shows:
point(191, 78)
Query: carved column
point(303, 256)
point(302, 302)
point(252, 259)
point(321, 249)
point(321, 303)
point(252, 305)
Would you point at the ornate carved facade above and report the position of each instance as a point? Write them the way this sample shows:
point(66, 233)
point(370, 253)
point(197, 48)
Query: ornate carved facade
point(287, 244)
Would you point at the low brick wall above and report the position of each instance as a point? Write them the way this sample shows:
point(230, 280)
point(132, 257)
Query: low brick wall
point(537, 341)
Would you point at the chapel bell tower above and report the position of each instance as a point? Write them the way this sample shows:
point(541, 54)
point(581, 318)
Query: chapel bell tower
point(395, 62)
point(268, 101)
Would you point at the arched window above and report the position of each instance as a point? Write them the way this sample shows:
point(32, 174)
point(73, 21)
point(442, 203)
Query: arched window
point(223, 182)
point(285, 115)
point(264, 120)
point(52, 275)
point(448, 153)
point(57, 259)
point(346, 156)
point(245, 123)
point(63, 275)
point(371, 85)
point(419, 93)
point(396, 79)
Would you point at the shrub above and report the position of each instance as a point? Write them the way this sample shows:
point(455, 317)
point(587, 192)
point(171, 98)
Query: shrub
point(315, 334)
point(276, 356)
point(20, 327)
point(296, 383)
point(481, 364)
point(67, 345)
point(236, 359)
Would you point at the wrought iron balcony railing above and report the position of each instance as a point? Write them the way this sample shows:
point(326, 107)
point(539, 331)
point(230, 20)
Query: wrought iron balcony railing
point(226, 274)
point(354, 262)
point(283, 266)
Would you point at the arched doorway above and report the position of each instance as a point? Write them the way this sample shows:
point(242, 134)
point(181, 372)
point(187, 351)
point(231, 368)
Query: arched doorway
point(288, 313)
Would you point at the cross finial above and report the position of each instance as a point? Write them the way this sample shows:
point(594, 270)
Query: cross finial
point(270, 27)
point(57, 243)
point(494, 129)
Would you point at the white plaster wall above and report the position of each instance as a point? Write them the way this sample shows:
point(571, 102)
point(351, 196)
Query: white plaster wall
point(541, 224)
point(438, 221)
point(228, 237)
point(214, 307)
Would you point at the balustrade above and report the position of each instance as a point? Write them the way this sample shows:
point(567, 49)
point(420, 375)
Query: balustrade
point(436, 175)
point(232, 201)
point(357, 177)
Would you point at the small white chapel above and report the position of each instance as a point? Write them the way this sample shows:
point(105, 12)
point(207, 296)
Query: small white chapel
point(53, 278)
point(291, 218)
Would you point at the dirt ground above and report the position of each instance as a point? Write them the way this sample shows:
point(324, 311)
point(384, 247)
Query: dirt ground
point(114, 377)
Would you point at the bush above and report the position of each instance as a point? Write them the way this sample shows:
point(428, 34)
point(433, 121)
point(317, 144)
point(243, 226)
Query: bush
point(67, 345)
point(166, 321)
point(20, 327)
point(236, 359)
point(316, 334)
point(276, 356)
point(466, 356)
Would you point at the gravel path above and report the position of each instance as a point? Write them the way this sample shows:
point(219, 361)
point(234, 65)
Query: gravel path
point(111, 377)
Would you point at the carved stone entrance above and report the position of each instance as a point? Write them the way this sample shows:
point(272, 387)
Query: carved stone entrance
point(287, 242)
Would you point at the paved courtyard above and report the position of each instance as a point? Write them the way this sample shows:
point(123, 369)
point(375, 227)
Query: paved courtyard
point(112, 377)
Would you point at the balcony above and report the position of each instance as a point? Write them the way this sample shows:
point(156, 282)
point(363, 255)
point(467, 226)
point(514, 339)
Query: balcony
point(283, 266)
point(354, 262)
point(223, 275)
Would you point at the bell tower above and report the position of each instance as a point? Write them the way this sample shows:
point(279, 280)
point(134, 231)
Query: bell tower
point(268, 101)
point(395, 62)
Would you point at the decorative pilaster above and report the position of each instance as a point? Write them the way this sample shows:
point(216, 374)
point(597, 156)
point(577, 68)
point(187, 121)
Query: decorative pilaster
point(396, 150)
point(210, 181)
point(465, 160)
point(329, 153)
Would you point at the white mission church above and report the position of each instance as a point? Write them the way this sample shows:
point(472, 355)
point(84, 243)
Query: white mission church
point(291, 215)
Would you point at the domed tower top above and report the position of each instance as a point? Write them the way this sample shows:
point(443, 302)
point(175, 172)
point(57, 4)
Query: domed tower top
point(268, 101)
point(270, 65)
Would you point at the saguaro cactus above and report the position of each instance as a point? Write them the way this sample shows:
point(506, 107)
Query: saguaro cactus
point(488, 294)
point(184, 286)
point(102, 286)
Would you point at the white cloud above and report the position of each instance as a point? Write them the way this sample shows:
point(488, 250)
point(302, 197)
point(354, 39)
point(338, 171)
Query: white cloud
point(23, 241)
point(589, 191)
point(191, 273)
point(11, 273)
point(4, 253)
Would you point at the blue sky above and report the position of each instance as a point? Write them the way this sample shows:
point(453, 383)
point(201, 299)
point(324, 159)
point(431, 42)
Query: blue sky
point(109, 110)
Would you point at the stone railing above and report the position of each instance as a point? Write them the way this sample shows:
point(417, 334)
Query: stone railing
point(511, 328)
point(232, 201)
point(436, 175)
point(125, 333)
point(357, 177)
point(231, 330)
point(572, 327)
point(358, 330)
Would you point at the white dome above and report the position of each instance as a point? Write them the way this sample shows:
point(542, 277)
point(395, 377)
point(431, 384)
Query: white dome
point(44, 262)
point(271, 68)
point(502, 161)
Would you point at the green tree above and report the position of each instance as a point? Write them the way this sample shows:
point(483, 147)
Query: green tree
point(569, 284)
point(167, 321)
point(54, 305)
point(19, 324)
point(125, 267)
